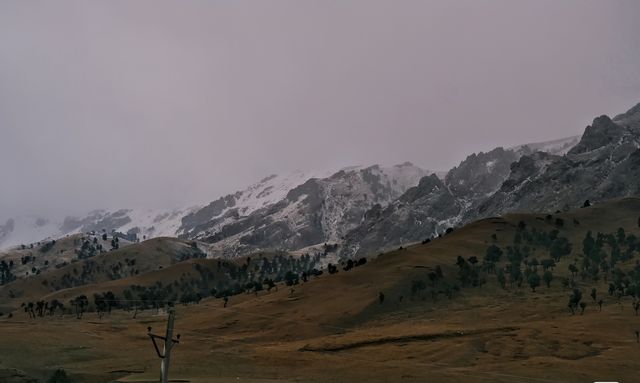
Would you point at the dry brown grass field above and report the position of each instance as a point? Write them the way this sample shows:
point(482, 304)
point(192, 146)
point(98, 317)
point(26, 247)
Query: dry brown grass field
point(334, 329)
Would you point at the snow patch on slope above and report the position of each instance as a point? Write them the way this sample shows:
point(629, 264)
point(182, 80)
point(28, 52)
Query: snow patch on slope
point(271, 189)
point(558, 147)
point(155, 223)
point(27, 229)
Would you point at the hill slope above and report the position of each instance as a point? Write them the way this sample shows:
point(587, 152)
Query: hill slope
point(128, 261)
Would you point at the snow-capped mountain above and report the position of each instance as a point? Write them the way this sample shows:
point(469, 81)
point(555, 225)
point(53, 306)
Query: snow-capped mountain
point(321, 209)
point(148, 223)
point(364, 209)
point(138, 223)
point(218, 217)
point(433, 205)
point(230, 208)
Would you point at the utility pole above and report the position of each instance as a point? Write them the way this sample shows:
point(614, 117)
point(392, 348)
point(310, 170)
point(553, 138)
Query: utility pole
point(167, 346)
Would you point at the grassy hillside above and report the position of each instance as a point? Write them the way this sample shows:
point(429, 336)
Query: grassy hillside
point(113, 265)
point(40, 257)
point(441, 319)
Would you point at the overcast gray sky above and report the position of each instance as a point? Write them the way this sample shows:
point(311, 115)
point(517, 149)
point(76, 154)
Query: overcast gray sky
point(163, 103)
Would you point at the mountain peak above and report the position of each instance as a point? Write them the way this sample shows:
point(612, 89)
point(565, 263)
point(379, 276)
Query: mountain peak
point(601, 132)
point(630, 118)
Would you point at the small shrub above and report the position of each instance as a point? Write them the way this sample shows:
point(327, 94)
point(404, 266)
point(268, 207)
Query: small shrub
point(59, 376)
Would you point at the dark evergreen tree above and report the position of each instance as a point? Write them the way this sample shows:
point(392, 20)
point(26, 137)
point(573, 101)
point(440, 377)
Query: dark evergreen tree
point(547, 276)
point(534, 281)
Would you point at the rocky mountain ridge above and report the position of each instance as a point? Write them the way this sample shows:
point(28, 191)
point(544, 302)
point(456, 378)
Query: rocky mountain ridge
point(208, 221)
point(603, 164)
point(316, 211)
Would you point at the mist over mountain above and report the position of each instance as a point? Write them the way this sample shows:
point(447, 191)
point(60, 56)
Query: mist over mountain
point(348, 191)
point(104, 106)
point(300, 209)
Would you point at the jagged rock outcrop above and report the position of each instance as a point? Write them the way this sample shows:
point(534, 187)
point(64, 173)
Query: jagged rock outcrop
point(480, 174)
point(604, 165)
point(602, 132)
point(433, 206)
